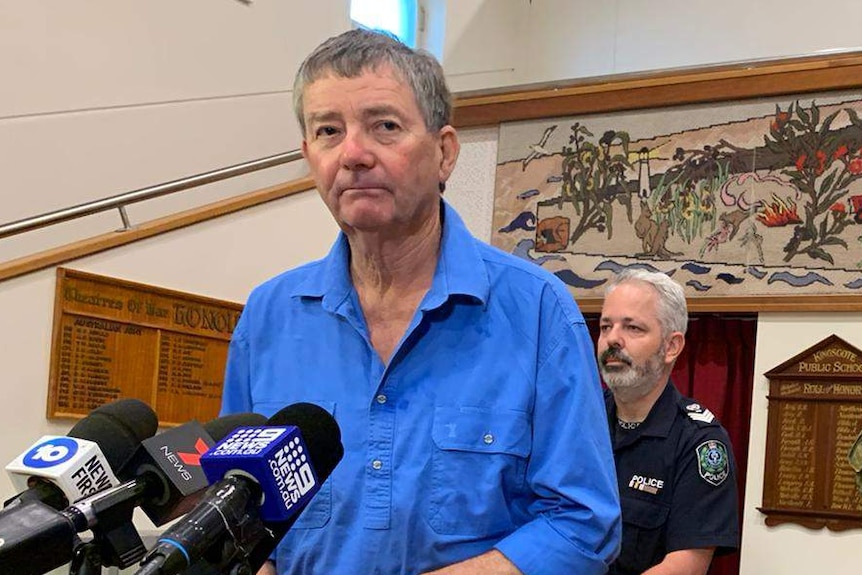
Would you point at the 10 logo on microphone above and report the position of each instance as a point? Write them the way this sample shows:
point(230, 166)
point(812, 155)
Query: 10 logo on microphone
point(55, 451)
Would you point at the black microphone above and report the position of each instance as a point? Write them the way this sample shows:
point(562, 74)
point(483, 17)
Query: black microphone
point(266, 476)
point(59, 470)
point(35, 539)
point(166, 481)
point(167, 470)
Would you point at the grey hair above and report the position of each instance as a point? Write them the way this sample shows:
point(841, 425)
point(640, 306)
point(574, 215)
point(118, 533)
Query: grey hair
point(672, 308)
point(352, 53)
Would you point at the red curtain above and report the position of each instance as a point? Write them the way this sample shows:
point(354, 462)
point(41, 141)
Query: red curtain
point(717, 369)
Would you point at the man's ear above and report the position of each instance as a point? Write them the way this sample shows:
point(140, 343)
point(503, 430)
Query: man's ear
point(304, 149)
point(674, 347)
point(450, 147)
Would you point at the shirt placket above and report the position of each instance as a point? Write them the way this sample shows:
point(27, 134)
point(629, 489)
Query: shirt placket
point(378, 479)
point(381, 436)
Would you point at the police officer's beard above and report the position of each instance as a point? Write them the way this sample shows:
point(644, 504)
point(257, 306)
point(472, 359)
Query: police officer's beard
point(631, 381)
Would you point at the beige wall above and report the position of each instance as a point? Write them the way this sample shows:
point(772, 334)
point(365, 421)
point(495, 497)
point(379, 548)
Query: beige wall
point(100, 97)
point(491, 43)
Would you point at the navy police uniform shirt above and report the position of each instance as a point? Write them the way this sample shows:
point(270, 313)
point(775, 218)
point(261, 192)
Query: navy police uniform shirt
point(677, 480)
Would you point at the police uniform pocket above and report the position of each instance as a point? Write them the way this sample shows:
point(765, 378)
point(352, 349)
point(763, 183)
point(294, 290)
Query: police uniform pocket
point(478, 465)
point(318, 511)
point(643, 534)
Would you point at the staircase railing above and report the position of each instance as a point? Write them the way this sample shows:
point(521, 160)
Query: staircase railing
point(129, 233)
point(120, 201)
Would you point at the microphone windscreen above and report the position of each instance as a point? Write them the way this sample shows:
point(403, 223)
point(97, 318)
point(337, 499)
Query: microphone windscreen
point(219, 428)
point(319, 430)
point(118, 428)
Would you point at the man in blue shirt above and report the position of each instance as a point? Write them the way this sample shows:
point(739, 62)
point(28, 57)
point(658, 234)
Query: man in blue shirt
point(462, 378)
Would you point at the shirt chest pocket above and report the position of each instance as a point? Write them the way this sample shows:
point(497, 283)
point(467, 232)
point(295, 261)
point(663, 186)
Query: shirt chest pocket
point(478, 467)
point(643, 534)
point(318, 511)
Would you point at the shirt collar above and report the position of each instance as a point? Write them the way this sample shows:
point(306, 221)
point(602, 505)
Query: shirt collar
point(460, 269)
point(658, 421)
point(660, 418)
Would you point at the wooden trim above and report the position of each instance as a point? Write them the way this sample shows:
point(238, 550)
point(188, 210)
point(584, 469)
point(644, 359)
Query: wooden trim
point(660, 89)
point(762, 304)
point(94, 245)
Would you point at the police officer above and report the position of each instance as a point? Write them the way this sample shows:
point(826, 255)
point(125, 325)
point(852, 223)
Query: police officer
point(675, 468)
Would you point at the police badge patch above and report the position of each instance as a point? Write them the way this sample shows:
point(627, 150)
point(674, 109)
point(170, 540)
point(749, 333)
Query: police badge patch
point(712, 462)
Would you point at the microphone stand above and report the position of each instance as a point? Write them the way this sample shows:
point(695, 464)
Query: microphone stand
point(87, 560)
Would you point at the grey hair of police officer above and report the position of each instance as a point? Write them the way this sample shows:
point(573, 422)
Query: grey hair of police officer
point(672, 308)
point(352, 53)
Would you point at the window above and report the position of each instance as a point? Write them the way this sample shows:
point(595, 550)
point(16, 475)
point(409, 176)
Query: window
point(395, 16)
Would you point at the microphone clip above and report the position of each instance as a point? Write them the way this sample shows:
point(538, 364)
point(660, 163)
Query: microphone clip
point(109, 515)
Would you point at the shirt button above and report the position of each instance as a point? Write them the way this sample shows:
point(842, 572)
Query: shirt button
point(381, 399)
point(488, 439)
point(376, 464)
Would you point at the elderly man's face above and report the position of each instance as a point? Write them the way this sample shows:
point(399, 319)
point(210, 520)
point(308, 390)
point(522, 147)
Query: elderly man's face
point(632, 353)
point(377, 167)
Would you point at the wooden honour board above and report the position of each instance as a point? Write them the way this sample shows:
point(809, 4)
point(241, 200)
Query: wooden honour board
point(117, 339)
point(815, 416)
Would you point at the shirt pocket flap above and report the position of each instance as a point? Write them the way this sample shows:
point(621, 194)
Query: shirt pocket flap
point(644, 514)
point(482, 430)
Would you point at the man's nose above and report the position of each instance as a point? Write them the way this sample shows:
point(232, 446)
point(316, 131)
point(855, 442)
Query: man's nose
point(613, 336)
point(356, 152)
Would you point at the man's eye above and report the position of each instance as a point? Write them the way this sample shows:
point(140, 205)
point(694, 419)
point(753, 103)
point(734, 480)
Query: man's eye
point(325, 131)
point(388, 126)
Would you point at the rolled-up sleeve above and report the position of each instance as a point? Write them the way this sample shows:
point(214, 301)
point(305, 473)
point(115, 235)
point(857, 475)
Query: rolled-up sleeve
point(576, 525)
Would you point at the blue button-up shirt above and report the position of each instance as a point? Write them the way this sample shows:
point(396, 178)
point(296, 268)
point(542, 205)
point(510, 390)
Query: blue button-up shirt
point(485, 430)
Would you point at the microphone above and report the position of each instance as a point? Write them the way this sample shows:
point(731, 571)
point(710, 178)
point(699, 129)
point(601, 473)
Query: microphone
point(58, 470)
point(264, 477)
point(165, 481)
point(35, 539)
point(165, 469)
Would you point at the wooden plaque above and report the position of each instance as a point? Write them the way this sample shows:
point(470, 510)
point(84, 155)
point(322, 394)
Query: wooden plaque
point(815, 415)
point(114, 339)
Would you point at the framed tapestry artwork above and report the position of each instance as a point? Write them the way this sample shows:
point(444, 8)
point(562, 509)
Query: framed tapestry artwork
point(751, 203)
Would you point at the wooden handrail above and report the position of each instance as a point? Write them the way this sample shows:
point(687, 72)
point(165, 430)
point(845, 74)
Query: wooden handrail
point(94, 245)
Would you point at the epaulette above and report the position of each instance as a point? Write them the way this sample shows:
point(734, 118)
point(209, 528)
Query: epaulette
point(697, 412)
